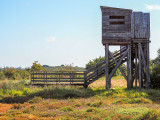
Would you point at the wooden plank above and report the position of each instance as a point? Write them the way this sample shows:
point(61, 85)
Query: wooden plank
point(132, 24)
point(35, 78)
point(56, 73)
point(75, 84)
point(146, 25)
point(138, 22)
point(56, 81)
point(140, 25)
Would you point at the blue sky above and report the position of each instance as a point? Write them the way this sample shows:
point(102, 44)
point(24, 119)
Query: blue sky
point(56, 32)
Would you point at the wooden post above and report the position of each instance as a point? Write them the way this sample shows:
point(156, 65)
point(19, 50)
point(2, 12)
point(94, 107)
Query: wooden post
point(85, 80)
point(136, 66)
point(129, 76)
point(32, 77)
point(140, 70)
point(70, 76)
point(107, 65)
point(144, 64)
point(148, 60)
point(132, 77)
point(46, 76)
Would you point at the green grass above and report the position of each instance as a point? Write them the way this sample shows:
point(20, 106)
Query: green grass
point(70, 102)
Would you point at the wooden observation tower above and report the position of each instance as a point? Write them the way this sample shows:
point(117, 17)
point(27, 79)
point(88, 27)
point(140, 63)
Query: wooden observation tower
point(131, 31)
point(121, 27)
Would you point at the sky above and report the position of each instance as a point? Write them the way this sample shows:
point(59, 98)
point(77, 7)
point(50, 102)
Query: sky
point(56, 32)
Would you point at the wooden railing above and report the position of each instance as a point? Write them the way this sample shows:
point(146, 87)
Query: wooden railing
point(73, 77)
point(98, 70)
point(59, 77)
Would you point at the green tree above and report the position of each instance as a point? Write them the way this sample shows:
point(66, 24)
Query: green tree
point(2, 76)
point(25, 75)
point(9, 72)
point(155, 71)
point(36, 67)
point(94, 62)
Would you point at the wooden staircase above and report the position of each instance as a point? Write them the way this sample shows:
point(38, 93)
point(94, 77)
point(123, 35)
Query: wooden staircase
point(97, 71)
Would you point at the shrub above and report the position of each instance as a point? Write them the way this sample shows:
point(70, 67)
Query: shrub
point(9, 72)
point(16, 93)
point(155, 77)
point(155, 71)
point(93, 109)
point(67, 109)
point(135, 114)
point(96, 104)
point(16, 76)
point(47, 114)
point(35, 100)
point(2, 76)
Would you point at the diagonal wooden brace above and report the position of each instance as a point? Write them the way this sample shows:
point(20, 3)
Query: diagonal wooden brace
point(116, 64)
point(144, 62)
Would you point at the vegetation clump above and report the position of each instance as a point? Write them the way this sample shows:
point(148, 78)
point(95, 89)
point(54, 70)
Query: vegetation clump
point(68, 102)
point(155, 71)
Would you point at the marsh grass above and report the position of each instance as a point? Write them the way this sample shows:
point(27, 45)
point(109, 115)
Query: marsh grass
point(69, 102)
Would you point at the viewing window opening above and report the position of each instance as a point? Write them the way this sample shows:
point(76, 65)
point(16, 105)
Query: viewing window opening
point(117, 23)
point(116, 17)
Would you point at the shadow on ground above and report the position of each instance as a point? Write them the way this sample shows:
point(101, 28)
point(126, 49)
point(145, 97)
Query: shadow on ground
point(53, 93)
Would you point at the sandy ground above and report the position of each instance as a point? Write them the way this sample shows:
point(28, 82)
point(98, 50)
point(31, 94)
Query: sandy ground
point(114, 83)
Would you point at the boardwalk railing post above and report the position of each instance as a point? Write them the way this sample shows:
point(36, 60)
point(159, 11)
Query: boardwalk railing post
point(46, 77)
point(85, 80)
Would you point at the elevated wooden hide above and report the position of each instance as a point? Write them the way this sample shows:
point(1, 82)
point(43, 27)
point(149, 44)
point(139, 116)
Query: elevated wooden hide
point(116, 25)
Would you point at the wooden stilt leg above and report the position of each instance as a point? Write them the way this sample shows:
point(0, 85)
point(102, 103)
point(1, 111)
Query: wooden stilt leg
point(129, 68)
point(107, 65)
point(139, 57)
point(136, 70)
point(148, 59)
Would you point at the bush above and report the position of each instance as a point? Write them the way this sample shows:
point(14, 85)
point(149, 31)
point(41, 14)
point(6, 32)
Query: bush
point(135, 114)
point(2, 76)
point(9, 72)
point(25, 75)
point(155, 71)
point(17, 76)
point(93, 109)
point(155, 77)
point(36, 100)
point(67, 109)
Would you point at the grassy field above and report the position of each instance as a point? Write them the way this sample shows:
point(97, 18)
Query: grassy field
point(19, 101)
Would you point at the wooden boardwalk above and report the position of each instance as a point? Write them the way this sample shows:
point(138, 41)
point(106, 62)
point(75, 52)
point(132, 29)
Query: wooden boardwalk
point(83, 78)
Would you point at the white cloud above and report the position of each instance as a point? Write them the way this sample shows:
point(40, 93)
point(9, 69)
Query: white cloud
point(51, 39)
point(152, 7)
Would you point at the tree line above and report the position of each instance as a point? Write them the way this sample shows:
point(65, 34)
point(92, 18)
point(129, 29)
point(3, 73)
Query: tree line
point(11, 73)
